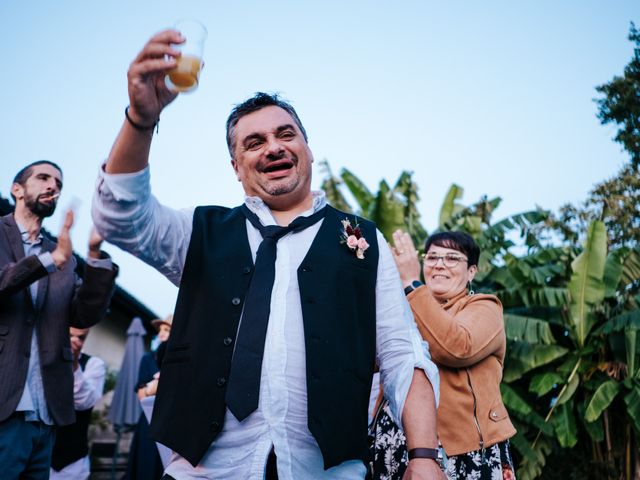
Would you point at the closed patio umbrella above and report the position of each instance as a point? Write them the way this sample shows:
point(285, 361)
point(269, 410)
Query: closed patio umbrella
point(125, 409)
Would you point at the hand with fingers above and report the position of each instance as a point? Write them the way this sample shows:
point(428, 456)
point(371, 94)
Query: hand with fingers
point(406, 257)
point(95, 241)
point(64, 248)
point(148, 94)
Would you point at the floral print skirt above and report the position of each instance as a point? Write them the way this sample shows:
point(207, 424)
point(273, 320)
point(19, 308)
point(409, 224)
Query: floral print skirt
point(494, 463)
point(389, 459)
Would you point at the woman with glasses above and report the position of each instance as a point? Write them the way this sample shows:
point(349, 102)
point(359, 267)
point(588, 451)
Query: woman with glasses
point(466, 337)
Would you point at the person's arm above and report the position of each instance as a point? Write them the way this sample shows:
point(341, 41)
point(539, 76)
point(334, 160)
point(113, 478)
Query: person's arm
point(88, 384)
point(16, 276)
point(419, 425)
point(409, 377)
point(123, 210)
point(93, 293)
point(461, 339)
point(455, 339)
point(148, 95)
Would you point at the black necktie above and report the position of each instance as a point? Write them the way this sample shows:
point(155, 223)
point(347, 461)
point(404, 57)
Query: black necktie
point(244, 380)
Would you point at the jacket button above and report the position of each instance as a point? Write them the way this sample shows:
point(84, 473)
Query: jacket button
point(306, 268)
point(494, 414)
point(246, 270)
point(235, 301)
point(215, 426)
point(227, 341)
point(221, 382)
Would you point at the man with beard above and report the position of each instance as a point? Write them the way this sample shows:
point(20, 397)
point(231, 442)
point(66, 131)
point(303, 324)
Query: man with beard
point(41, 296)
point(285, 304)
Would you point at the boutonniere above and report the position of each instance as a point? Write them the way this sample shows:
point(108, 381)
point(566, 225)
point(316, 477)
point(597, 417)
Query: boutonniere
point(352, 236)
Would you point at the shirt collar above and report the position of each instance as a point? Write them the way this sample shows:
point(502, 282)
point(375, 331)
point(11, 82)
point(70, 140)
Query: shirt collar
point(25, 235)
point(262, 210)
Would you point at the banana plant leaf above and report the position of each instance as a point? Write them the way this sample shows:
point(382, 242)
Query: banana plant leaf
point(533, 457)
point(331, 187)
point(387, 211)
point(586, 286)
point(567, 393)
point(359, 191)
point(632, 399)
point(631, 268)
point(564, 424)
point(528, 329)
point(543, 383)
point(523, 357)
point(630, 336)
point(449, 206)
point(601, 399)
point(613, 271)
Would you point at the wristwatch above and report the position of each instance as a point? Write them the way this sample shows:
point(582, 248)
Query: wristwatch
point(415, 284)
point(430, 453)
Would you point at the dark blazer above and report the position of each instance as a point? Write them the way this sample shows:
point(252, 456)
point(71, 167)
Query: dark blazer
point(63, 300)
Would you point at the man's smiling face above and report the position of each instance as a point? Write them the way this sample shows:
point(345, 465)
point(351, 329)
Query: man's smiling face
point(272, 158)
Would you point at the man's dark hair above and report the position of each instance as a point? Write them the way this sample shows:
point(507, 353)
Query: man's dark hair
point(460, 241)
point(23, 175)
point(255, 103)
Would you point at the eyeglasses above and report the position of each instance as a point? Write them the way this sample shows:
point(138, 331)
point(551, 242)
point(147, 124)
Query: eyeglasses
point(449, 260)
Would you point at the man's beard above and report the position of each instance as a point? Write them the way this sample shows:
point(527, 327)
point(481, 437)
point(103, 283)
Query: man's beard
point(40, 210)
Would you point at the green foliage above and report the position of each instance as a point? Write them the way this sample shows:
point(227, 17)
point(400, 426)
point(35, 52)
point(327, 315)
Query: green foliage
point(571, 379)
point(601, 400)
point(586, 287)
point(621, 103)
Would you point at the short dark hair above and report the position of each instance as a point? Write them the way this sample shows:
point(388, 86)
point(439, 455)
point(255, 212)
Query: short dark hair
point(463, 242)
point(23, 175)
point(259, 101)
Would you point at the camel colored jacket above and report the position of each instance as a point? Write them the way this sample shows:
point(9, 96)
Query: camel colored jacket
point(467, 341)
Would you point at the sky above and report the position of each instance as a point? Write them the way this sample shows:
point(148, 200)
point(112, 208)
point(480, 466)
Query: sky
point(495, 96)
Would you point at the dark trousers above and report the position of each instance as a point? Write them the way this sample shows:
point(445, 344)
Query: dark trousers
point(25, 448)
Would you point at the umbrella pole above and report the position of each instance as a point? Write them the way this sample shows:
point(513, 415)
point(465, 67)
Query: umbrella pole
point(115, 454)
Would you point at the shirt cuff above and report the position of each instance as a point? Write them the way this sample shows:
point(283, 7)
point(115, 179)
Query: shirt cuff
point(105, 263)
point(124, 187)
point(47, 262)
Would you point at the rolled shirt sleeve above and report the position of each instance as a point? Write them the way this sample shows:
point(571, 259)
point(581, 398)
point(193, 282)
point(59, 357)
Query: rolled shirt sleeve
point(400, 348)
point(88, 384)
point(127, 215)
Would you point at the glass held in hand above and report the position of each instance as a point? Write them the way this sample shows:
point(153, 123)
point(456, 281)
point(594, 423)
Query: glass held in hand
point(185, 76)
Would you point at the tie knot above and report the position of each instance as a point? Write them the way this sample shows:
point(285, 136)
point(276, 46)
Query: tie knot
point(274, 232)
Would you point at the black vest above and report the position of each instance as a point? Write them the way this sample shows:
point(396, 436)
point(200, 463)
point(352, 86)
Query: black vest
point(71, 440)
point(337, 294)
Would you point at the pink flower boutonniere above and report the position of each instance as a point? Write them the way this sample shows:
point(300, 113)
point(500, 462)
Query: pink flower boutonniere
point(352, 236)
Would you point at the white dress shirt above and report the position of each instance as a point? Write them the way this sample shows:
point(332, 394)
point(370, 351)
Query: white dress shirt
point(88, 385)
point(127, 215)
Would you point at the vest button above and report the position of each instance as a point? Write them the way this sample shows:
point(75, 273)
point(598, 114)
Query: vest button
point(306, 268)
point(246, 270)
point(227, 341)
point(215, 426)
point(235, 301)
point(221, 382)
